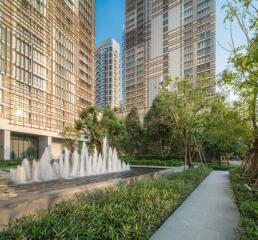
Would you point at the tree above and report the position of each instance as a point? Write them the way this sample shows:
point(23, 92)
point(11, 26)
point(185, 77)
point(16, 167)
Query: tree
point(94, 124)
point(243, 75)
point(134, 132)
point(91, 127)
point(159, 128)
point(114, 129)
point(185, 104)
point(70, 136)
point(224, 132)
point(30, 152)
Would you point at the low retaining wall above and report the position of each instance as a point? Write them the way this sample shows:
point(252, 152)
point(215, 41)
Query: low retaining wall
point(28, 202)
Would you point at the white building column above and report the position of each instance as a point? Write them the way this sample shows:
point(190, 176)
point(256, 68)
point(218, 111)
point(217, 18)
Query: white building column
point(44, 141)
point(5, 144)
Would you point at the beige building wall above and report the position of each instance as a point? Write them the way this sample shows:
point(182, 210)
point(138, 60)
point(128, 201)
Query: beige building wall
point(47, 69)
point(176, 38)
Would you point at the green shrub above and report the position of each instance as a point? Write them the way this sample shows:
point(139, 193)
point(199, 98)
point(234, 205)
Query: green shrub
point(30, 152)
point(216, 166)
point(153, 162)
point(7, 164)
point(247, 202)
point(129, 212)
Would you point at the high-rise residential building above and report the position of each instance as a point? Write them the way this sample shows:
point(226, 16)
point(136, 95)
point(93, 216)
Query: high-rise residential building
point(47, 71)
point(108, 74)
point(166, 38)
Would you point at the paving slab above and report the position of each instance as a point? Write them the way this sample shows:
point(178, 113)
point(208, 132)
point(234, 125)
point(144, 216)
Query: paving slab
point(209, 213)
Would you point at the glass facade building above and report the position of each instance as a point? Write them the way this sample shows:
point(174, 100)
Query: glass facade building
point(108, 74)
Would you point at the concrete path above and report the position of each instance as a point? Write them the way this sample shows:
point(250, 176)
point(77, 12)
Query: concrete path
point(209, 213)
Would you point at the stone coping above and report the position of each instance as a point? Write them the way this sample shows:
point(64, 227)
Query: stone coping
point(24, 200)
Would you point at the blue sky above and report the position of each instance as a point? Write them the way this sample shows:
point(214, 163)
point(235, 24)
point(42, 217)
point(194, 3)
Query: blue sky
point(110, 19)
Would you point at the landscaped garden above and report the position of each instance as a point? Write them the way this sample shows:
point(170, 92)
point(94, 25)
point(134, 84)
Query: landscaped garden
point(153, 161)
point(184, 126)
point(247, 202)
point(128, 212)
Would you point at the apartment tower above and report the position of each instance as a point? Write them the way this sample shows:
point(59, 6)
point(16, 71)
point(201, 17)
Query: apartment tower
point(166, 38)
point(47, 71)
point(108, 74)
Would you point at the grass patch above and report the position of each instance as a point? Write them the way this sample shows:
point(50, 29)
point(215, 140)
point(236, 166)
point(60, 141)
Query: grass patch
point(248, 206)
point(154, 162)
point(8, 164)
point(129, 212)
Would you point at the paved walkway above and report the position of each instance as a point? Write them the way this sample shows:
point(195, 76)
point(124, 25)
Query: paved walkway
point(209, 213)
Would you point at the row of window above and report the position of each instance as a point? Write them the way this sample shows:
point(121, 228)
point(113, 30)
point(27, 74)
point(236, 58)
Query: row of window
point(63, 94)
point(40, 5)
point(63, 83)
point(30, 36)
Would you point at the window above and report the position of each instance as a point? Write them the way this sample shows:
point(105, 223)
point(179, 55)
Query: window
point(165, 29)
point(204, 43)
point(165, 15)
point(205, 34)
point(188, 71)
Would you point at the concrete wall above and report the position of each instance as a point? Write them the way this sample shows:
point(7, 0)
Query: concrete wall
point(5, 144)
point(57, 147)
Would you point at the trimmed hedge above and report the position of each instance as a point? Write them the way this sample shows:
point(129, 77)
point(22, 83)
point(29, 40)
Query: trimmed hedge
point(216, 166)
point(128, 212)
point(247, 202)
point(153, 162)
point(7, 164)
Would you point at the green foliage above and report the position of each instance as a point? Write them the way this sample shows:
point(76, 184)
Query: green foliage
point(91, 127)
point(224, 130)
point(114, 129)
point(134, 132)
point(8, 164)
point(185, 103)
point(130, 212)
point(248, 206)
point(218, 166)
point(70, 135)
point(153, 162)
point(242, 77)
point(160, 133)
point(94, 124)
point(30, 152)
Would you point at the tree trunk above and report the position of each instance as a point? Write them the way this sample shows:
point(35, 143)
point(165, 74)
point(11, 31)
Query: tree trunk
point(254, 161)
point(251, 161)
point(185, 149)
point(161, 148)
point(219, 160)
point(255, 158)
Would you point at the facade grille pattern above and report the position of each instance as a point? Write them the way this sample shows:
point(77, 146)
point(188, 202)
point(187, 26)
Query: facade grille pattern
point(166, 38)
point(47, 61)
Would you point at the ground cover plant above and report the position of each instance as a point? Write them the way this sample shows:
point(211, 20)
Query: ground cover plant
point(129, 212)
point(247, 202)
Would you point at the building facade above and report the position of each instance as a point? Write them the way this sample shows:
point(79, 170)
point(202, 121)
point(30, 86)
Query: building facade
point(173, 38)
point(108, 74)
point(47, 71)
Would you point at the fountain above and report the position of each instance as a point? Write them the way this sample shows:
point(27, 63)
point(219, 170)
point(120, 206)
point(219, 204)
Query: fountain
point(69, 165)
